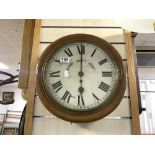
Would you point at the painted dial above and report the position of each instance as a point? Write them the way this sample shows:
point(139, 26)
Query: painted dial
point(80, 76)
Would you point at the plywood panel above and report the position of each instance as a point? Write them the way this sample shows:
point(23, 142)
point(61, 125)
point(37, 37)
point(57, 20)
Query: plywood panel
point(119, 47)
point(123, 110)
point(40, 110)
point(55, 126)
point(47, 123)
point(78, 22)
point(110, 35)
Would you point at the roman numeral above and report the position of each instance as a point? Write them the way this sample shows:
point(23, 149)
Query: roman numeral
point(68, 52)
point(55, 74)
point(57, 60)
point(57, 85)
point(103, 86)
point(93, 52)
point(103, 61)
point(81, 49)
point(95, 96)
point(67, 95)
point(107, 74)
point(80, 100)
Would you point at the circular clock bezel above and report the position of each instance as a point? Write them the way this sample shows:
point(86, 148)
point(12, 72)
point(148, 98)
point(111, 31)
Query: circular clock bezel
point(81, 116)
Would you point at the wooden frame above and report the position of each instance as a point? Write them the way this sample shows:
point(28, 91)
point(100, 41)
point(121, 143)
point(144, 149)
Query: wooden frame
point(8, 96)
point(26, 53)
point(83, 116)
point(133, 87)
point(31, 92)
point(131, 67)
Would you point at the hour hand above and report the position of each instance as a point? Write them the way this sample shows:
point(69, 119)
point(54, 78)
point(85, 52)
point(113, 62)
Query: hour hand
point(69, 65)
point(66, 71)
point(81, 90)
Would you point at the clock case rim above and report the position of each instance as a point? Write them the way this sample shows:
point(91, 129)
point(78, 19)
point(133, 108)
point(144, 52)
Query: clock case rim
point(81, 116)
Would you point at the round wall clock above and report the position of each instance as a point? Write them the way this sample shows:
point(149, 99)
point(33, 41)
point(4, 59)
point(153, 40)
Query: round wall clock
point(80, 78)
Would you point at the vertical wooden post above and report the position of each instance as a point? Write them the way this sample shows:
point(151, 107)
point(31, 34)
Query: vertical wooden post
point(131, 56)
point(134, 34)
point(32, 79)
point(26, 53)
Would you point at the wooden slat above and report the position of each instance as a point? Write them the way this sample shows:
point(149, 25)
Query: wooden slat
point(132, 83)
point(26, 53)
point(32, 79)
point(103, 126)
point(120, 48)
point(78, 22)
point(110, 35)
point(55, 126)
point(123, 110)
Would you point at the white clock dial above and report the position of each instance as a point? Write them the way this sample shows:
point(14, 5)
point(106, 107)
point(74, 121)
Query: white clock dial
point(80, 76)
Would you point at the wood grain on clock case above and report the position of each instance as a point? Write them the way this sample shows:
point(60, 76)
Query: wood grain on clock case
point(82, 116)
point(133, 81)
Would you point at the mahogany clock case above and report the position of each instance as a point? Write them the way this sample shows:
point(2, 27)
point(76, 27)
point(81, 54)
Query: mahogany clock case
point(89, 115)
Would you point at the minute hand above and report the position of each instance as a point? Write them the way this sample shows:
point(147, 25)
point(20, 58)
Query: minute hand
point(81, 60)
point(81, 51)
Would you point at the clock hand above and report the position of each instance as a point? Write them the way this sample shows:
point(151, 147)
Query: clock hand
point(66, 71)
point(81, 89)
point(70, 64)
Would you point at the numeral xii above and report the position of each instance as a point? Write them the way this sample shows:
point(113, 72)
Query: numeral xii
point(81, 49)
